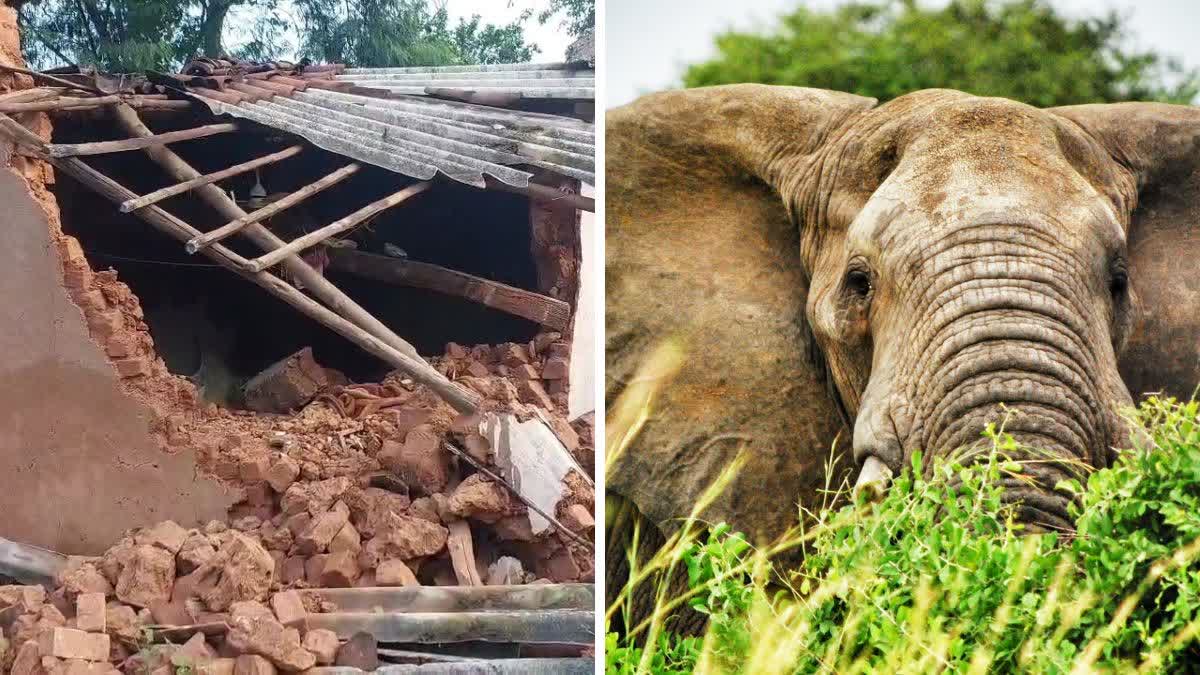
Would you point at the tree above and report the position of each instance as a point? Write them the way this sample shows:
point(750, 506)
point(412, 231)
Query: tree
point(580, 15)
point(493, 44)
point(372, 33)
point(1020, 49)
point(124, 36)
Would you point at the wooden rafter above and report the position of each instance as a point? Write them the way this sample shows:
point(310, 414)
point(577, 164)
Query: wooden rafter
point(188, 185)
point(215, 197)
point(549, 312)
point(458, 397)
point(235, 226)
point(104, 147)
point(547, 193)
point(87, 103)
point(337, 227)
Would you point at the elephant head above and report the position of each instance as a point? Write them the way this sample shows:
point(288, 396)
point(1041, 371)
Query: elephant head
point(902, 274)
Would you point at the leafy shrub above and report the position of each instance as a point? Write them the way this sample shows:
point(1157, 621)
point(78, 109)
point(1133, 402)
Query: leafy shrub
point(938, 577)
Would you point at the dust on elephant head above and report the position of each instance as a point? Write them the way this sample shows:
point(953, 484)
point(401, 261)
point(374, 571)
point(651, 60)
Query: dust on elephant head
point(898, 275)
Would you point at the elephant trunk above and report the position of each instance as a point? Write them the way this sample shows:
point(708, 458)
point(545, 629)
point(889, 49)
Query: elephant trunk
point(1006, 341)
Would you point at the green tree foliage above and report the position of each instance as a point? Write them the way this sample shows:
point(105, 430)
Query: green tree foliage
point(1019, 49)
point(405, 32)
point(488, 43)
point(135, 35)
point(580, 14)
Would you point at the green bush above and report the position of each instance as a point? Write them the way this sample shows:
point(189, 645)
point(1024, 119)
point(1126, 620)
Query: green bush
point(1021, 49)
point(938, 577)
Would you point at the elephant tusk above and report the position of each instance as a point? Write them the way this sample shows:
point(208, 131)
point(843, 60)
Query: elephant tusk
point(873, 479)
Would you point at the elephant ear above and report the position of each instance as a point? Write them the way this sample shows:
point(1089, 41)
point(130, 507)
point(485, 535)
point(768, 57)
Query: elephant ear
point(1160, 145)
point(700, 248)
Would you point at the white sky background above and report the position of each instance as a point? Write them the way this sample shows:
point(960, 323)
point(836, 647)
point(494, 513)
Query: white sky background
point(650, 41)
point(551, 38)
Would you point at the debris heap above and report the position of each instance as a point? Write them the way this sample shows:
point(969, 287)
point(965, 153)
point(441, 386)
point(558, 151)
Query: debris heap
point(357, 488)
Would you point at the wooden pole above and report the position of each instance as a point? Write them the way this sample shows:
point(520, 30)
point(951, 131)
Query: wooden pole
point(50, 78)
point(187, 185)
point(231, 228)
point(459, 398)
point(462, 553)
point(333, 297)
point(546, 193)
point(81, 103)
point(27, 95)
point(549, 312)
point(103, 147)
point(20, 135)
point(337, 227)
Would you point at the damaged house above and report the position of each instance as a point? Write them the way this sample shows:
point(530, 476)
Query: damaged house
point(281, 338)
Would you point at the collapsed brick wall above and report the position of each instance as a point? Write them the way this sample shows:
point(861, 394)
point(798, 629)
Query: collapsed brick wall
point(77, 463)
point(557, 249)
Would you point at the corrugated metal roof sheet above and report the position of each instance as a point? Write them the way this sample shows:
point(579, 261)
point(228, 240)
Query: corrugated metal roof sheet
point(529, 80)
point(420, 137)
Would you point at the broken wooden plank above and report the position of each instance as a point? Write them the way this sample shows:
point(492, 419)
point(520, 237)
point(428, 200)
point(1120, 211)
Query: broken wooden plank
point(456, 396)
point(234, 226)
point(337, 227)
point(286, 385)
point(550, 312)
point(187, 185)
point(104, 147)
point(297, 268)
point(547, 194)
point(459, 598)
point(462, 553)
point(564, 626)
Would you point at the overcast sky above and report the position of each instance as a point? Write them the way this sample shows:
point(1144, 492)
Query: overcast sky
point(650, 41)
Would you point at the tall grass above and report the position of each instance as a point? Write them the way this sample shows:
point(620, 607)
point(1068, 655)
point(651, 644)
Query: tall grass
point(938, 576)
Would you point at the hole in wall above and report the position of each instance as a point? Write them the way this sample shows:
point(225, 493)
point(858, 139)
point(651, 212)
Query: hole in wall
point(218, 329)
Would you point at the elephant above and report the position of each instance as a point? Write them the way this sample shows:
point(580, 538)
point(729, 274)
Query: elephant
point(886, 279)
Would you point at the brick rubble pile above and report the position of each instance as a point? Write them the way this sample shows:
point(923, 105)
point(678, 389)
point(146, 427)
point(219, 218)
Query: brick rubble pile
point(354, 489)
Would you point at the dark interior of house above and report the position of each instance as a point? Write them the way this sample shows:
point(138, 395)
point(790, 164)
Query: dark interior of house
point(200, 313)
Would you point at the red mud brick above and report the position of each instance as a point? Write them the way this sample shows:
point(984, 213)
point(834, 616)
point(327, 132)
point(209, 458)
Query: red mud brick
point(68, 643)
point(395, 573)
point(132, 367)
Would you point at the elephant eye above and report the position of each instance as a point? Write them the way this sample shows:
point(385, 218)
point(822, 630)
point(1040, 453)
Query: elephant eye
point(1118, 280)
point(1119, 283)
point(858, 282)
